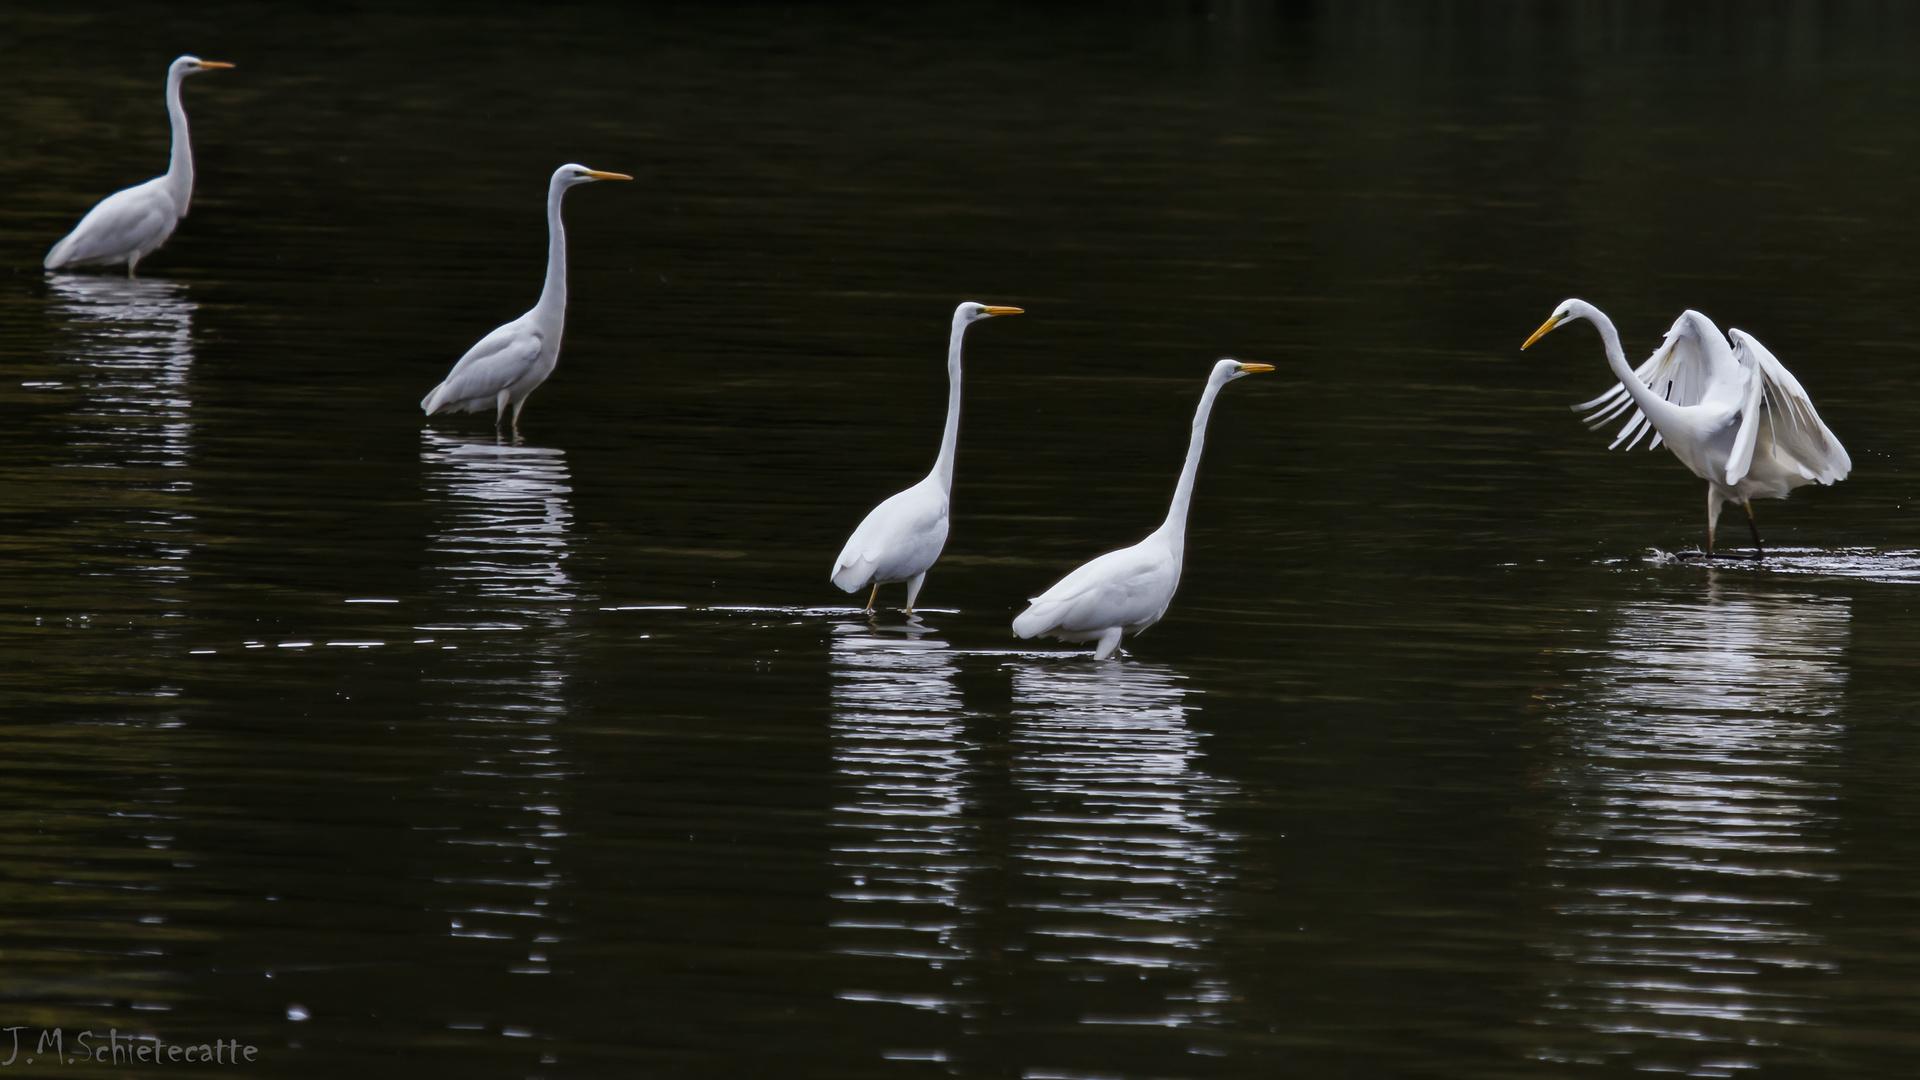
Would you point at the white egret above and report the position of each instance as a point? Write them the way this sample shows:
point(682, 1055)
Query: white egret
point(129, 225)
point(507, 365)
point(1734, 415)
point(902, 537)
point(1128, 590)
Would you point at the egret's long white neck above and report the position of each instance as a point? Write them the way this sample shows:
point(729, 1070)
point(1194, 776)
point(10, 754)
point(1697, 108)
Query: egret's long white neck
point(180, 168)
point(1175, 527)
point(1658, 409)
point(553, 297)
point(950, 438)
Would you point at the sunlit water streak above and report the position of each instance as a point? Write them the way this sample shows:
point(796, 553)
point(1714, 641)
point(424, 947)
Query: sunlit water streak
point(1695, 829)
point(499, 549)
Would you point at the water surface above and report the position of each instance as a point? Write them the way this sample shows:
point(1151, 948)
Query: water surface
point(383, 744)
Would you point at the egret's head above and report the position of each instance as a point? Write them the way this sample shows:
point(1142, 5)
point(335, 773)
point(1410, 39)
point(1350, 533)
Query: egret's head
point(970, 311)
point(580, 174)
point(193, 65)
point(1229, 369)
point(1568, 311)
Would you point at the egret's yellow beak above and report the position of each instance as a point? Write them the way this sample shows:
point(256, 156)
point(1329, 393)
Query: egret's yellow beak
point(208, 65)
point(1255, 369)
point(1003, 310)
point(598, 175)
point(1545, 328)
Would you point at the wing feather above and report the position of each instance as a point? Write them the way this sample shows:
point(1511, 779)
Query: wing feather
point(128, 221)
point(1120, 588)
point(495, 362)
point(1680, 371)
point(1785, 421)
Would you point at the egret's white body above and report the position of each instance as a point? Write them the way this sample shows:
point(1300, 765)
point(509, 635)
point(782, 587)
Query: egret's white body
point(901, 539)
point(509, 364)
point(1733, 414)
point(1126, 591)
point(129, 225)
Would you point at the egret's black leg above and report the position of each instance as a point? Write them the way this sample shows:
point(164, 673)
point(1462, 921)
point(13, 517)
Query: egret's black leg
point(1759, 552)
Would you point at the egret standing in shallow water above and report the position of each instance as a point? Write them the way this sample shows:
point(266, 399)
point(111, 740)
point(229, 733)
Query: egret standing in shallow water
point(902, 537)
point(507, 365)
point(1126, 591)
point(1734, 415)
point(129, 225)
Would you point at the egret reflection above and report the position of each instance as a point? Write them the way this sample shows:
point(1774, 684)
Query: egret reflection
point(133, 349)
point(903, 848)
point(129, 359)
point(498, 551)
point(1123, 862)
point(1102, 870)
point(1695, 830)
point(503, 534)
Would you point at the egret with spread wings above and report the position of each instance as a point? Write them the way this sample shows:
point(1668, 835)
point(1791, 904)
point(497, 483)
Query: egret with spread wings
point(902, 538)
point(131, 224)
point(1731, 413)
point(1126, 591)
point(507, 365)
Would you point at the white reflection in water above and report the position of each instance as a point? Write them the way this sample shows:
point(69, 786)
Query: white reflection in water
point(1068, 873)
point(1124, 862)
point(130, 357)
point(1696, 827)
point(133, 341)
point(498, 549)
point(504, 530)
point(900, 754)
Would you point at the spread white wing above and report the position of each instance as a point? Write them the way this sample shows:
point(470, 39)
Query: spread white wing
point(1679, 371)
point(1778, 418)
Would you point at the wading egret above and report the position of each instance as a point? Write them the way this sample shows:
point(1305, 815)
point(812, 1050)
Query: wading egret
point(129, 225)
point(901, 538)
point(1126, 591)
point(1734, 415)
point(507, 365)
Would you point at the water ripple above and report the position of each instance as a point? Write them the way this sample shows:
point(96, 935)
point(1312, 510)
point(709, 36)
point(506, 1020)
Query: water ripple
point(1696, 816)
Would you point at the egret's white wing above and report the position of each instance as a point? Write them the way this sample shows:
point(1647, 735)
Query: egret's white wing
point(1679, 371)
point(1779, 417)
point(125, 222)
point(495, 362)
point(1752, 405)
point(1120, 588)
point(899, 529)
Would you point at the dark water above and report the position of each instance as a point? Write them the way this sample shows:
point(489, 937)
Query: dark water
point(564, 758)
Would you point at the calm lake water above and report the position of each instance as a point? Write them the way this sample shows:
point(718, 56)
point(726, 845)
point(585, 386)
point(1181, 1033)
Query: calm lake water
point(395, 750)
